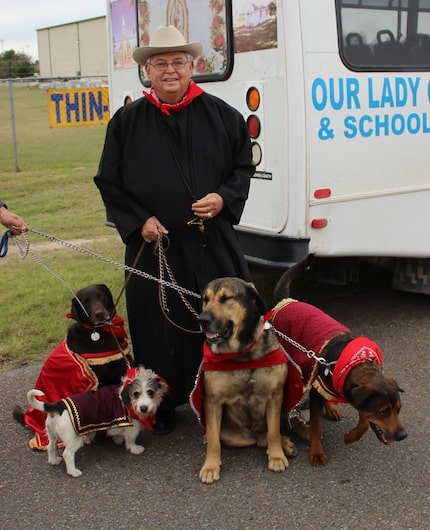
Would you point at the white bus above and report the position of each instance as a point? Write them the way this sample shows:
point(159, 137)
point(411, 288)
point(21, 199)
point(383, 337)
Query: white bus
point(336, 94)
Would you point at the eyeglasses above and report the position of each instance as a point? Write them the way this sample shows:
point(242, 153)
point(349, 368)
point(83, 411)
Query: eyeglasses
point(178, 64)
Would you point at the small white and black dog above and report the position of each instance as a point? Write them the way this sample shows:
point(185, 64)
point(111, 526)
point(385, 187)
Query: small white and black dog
point(122, 412)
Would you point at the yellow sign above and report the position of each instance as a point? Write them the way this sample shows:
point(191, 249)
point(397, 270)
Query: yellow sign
point(75, 107)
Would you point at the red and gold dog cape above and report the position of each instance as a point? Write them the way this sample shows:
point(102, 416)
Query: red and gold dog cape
point(308, 327)
point(313, 329)
point(64, 373)
point(102, 409)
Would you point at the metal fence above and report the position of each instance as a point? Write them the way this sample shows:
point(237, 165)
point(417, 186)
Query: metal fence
point(31, 108)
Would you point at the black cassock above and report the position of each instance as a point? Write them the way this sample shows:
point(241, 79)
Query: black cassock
point(158, 165)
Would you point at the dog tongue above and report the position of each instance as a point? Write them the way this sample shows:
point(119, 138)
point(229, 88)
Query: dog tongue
point(210, 336)
point(387, 441)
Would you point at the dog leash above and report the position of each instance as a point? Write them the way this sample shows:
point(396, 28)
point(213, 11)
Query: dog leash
point(93, 254)
point(25, 250)
point(163, 265)
point(309, 353)
point(4, 243)
point(132, 270)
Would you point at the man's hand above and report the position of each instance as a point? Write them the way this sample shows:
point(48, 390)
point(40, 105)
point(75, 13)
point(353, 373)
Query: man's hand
point(208, 206)
point(151, 228)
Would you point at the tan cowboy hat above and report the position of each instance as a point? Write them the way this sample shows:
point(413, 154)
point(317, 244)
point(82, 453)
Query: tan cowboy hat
point(166, 39)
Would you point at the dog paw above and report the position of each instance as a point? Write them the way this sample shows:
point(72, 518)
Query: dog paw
point(318, 459)
point(75, 473)
point(55, 461)
point(118, 439)
point(136, 449)
point(208, 474)
point(277, 463)
point(288, 446)
point(332, 413)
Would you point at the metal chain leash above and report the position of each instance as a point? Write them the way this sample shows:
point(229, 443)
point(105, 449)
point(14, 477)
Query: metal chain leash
point(24, 253)
point(309, 353)
point(163, 264)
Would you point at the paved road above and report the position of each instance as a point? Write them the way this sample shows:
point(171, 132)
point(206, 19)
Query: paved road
point(365, 485)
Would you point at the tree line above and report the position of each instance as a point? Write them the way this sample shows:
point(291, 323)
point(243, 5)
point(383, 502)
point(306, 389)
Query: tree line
point(17, 64)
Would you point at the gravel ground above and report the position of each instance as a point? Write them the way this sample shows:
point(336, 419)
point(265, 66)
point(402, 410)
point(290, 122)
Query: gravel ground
point(365, 485)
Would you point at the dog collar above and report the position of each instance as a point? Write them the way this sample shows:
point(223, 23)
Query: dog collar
point(114, 327)
point(223, 357)
point(223, 362)
point(359, 350)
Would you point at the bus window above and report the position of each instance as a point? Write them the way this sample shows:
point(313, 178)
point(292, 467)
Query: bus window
point(384, 34)
point(206, 22)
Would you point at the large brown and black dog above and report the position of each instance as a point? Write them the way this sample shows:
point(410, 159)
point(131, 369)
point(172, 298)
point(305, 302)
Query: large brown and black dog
point(94, 354)
point(242, 374)
point(348, 369)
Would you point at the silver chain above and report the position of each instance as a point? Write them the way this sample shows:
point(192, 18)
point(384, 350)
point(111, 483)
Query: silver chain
point(164, 265)
point(24, 252)
point(310, 353)
point(27, 251)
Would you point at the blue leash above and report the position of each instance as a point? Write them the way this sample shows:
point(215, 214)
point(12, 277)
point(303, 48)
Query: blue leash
point(4, 243)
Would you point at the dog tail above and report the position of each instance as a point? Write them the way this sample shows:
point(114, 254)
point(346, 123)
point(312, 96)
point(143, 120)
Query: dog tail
point(36, 403)
point(283, 287)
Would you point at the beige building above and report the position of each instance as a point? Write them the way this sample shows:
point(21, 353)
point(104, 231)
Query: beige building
point(74, 49)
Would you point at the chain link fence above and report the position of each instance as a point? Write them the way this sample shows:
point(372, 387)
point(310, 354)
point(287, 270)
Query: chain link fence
point(32, 109)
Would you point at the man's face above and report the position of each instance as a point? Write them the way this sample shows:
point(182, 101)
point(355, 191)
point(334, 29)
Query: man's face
point(171, 83)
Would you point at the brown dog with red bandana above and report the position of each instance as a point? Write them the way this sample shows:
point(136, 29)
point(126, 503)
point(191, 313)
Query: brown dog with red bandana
point(337, 367)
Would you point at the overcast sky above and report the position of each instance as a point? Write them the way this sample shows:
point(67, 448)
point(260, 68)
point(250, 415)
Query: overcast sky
point(19, 19)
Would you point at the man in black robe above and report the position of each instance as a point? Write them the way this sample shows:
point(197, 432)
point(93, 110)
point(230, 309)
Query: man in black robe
point(174, 156)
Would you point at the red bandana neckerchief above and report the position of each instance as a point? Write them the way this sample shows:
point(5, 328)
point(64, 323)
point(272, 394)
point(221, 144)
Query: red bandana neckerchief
point(211, 361)
point(114, 327)
point(358, 351)
point(192, 92)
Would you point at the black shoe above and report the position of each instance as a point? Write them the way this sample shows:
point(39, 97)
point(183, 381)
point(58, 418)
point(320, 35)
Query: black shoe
point(164, 422)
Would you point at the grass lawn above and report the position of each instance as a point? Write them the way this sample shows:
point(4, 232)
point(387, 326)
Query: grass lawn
point(55, 193)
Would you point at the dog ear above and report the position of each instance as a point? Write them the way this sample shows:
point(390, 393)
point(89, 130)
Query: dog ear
point(161, 385)
point(360, 394)
point(394, 383)
point(258, 300)
point(109, 303)
point(77, 312)
point(128, 392)
point(125, 396)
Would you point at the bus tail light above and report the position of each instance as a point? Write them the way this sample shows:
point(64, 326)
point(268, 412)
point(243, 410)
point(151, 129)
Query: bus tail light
point(319, 223)
point(253, 99)
point(254, 126)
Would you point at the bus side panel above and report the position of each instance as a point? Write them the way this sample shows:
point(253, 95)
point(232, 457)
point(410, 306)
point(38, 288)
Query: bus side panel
point(367, 138)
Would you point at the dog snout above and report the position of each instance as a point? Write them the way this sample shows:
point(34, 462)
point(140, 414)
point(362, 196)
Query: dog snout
point(205, 320)
point(400, 435)
point(143, 409)
point(99, 315)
